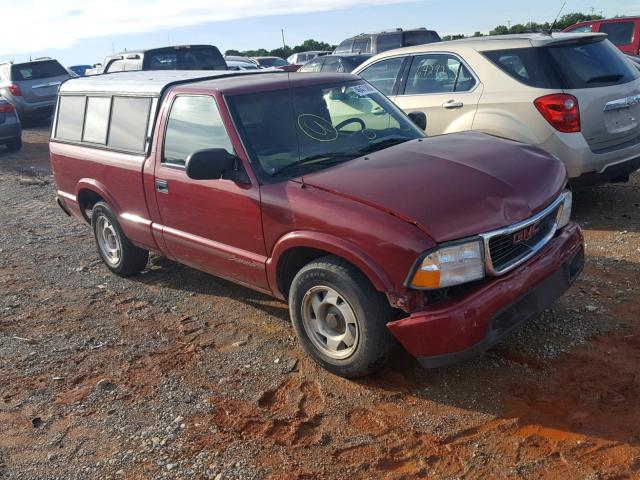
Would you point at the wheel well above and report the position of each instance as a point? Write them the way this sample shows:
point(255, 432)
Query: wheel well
point(292, 261)
point(86, 200)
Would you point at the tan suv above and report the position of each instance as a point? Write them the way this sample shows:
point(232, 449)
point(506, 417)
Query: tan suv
point(573, 95)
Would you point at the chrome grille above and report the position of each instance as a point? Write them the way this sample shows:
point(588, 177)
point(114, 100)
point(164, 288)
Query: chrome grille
point(509, 247)
point(504, 250)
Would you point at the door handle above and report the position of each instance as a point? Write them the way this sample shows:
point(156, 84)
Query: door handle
point(452, 104)
point(162, 186)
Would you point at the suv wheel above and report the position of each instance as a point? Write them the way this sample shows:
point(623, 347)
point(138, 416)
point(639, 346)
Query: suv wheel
point(339, 318)
point(121, 256)
point(15, 145)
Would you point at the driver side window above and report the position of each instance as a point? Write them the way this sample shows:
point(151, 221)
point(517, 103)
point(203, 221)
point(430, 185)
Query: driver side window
point(194, 124)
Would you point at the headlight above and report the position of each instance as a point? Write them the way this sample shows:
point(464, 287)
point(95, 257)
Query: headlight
point(449, 266)
point(564, 214)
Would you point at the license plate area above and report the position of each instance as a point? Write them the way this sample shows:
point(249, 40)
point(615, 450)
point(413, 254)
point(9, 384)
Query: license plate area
point(622, 120)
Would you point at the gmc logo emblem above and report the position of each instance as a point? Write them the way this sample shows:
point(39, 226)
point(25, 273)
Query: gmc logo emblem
point(525, 234)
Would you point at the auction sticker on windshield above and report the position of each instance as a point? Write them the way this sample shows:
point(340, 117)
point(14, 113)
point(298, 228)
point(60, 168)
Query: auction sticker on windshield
point(362, 90)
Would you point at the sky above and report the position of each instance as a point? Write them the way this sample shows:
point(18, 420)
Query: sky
point(84, 31)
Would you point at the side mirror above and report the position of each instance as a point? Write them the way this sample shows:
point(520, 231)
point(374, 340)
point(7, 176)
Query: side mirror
point(419, 118)
point(210, 164)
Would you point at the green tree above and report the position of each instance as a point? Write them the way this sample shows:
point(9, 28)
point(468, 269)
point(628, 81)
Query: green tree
point(281, 52)
point(563, 22)
point(457, 36)
point(499, 30)
point(575, 17)
point(478, 34)
point(285, 51)
point(518, 28)
point(312, 44)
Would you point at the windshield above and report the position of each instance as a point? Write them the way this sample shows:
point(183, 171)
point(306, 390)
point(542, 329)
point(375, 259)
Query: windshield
point(290, 133)
point(207, 58)
point(272, 62)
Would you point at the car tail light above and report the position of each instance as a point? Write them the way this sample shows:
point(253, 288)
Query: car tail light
point(6, 107)
point(14, 89)
point(561, 111)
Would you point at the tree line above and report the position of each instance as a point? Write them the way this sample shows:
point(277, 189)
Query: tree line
point(285, 51)
point(563, 22)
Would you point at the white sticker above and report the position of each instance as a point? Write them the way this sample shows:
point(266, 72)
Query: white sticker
point(363, 89)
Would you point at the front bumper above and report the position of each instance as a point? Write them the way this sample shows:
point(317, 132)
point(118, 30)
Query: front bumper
point(463, 327)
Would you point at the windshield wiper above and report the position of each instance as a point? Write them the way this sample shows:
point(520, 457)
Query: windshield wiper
point(606, 78)
point(329, 158)
point(387, 142)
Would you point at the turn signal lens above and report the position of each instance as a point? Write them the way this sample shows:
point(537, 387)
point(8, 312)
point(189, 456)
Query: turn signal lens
point(14, 89)
point(561, 111)
point(449, 266)
point(564, 214)
point(6, 107)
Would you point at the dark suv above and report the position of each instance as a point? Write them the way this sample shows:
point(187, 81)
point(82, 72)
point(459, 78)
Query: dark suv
point(32, 87)
point(383, 41)
point(184, 57)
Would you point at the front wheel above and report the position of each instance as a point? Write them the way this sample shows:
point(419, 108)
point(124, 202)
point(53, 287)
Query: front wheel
point(121, 256)
point(339, 318)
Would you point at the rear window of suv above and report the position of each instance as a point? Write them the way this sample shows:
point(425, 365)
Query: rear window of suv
point(198, 58)
point(36, 70)
point(420, 37)
point(566, 66)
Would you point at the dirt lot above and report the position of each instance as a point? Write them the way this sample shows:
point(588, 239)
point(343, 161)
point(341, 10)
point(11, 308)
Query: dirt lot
point(176, 374)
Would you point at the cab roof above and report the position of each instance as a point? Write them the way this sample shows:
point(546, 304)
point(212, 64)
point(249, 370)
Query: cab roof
point(155, 82)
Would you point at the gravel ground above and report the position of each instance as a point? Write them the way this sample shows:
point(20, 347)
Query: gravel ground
point(177, 374)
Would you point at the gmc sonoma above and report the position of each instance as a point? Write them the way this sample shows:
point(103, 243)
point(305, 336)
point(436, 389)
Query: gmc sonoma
point(318, 190)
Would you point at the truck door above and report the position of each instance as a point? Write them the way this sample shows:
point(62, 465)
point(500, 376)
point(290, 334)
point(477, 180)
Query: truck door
point(212, 225)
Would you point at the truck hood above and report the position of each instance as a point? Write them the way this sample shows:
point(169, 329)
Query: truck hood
point(451, 186)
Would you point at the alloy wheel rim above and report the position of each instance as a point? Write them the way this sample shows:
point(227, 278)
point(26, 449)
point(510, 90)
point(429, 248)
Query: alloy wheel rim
point(330, 322)
point(108, 240)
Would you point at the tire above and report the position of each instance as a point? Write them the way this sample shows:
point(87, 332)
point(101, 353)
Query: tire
point(118, 253)
point(15, 145)
point(345, 302)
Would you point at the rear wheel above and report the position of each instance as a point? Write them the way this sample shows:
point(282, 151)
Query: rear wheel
point(121, 256)
point(15, 145)
point(339, 318)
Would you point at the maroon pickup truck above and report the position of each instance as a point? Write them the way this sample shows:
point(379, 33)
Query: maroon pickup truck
point(318, 190)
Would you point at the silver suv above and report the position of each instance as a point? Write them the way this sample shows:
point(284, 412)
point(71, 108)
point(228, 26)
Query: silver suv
point(573, 95)
point(32, 87)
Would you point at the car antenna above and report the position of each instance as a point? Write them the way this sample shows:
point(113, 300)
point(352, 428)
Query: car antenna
point(553, 25)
